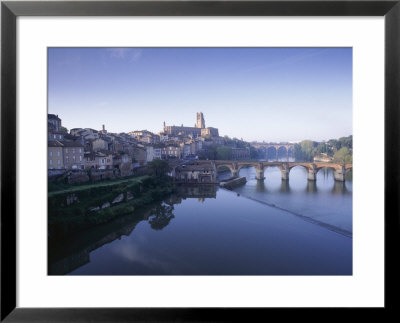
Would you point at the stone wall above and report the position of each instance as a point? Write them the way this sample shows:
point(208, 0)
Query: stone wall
point(78, 177)
point(54, 174)
point(97, 175)
point(139, 171)
point(125, 169)
point(81, 176)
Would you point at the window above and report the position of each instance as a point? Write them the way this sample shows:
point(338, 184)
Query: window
point(80, 158)
point(51, 162)
point(80, 150)
point(51, 154)
point(58, 162)
point(58, 154)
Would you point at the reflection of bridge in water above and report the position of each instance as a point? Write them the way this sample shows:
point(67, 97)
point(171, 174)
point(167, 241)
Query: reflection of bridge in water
point(339, 170)
point(338, 188)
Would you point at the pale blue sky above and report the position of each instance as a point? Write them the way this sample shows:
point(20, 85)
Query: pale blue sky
point(271, 94)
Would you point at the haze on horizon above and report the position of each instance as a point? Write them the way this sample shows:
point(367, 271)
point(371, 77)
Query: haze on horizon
point(258, 94)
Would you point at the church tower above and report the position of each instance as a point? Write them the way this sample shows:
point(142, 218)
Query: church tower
point(200, 120)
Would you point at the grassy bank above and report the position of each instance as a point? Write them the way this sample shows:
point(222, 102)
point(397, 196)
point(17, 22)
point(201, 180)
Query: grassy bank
point(55, 188)
point(78, 207)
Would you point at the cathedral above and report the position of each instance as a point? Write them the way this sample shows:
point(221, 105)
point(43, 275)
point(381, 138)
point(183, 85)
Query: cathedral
point(198, 130)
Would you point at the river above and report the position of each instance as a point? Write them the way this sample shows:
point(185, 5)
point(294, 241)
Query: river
point(325, 200)
point(268, 227)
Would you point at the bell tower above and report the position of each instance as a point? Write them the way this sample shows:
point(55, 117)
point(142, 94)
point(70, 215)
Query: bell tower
point(200, 120)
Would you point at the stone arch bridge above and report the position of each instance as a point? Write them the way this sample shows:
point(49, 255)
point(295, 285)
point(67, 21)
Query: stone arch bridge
point(339, 170)
point(288, 147)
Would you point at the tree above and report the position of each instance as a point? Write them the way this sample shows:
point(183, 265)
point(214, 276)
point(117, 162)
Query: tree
point(322, 148)
point(224, 153)
point(241, 144)
point(254, 154)
point(343, 155)
point(63, 129)
point(228, 141)
point(211, 152)
point(159, 167)
point(305, 150)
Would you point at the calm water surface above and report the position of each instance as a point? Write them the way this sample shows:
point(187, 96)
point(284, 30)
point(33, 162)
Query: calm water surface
point(261, 228)
point(324, 200)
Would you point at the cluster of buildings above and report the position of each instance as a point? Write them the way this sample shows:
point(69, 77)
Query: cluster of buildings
point(182, 142)
point(85, 148)
point(199, 129)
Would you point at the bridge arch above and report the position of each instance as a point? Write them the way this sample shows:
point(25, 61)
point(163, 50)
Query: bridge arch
point(258, 167)
point(241, 165)
point(273, 151)
point(229, 166)
point(333, 168)
point(307, 167)
point(280, 166)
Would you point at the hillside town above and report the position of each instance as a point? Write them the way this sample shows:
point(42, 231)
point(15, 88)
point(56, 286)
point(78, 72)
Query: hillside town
point(123, 153)
point(83, 154)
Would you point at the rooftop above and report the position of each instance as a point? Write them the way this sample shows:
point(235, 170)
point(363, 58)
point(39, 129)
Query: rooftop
point(53, 116)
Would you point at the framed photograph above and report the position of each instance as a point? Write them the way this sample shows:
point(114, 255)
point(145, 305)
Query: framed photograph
point(190, 158)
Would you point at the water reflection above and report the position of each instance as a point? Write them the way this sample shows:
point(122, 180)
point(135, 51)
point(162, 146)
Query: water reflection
point(189, 230)
point(197, 191)
point(162, 215)
point(260, 186)
point(297, 181)
point(66, 256)
point(311, 187)
point(285, 187)
point(324, 199)
point(340, 188)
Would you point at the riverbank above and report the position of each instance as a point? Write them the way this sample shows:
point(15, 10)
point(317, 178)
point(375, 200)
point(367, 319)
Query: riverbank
point(80, 207)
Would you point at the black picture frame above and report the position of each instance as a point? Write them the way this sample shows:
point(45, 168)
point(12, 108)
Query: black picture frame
point(10, 10)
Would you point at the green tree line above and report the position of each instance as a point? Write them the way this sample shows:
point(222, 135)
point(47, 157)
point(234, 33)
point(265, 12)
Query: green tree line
point(340, 150)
